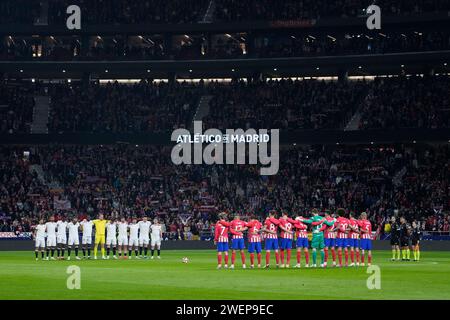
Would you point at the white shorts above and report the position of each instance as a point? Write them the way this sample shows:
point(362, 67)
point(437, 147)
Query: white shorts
point(61, 239)
point(133, 242)
point(74, 241)
point(51, 241)
point(86, 240)
point(122, 240)
point(111, 241)
point(39, 243)
point(156, 241)
point(144, 241)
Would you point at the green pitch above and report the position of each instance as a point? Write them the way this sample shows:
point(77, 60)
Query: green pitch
point(21, 277)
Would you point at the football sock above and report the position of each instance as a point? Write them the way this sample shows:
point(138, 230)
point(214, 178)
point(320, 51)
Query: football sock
point(84, 252)
point(114, 251)
point(95, 251)
point(89, 252)
point(288, 261)
point(322, 256)
point(140, 251)
point(357, 256)
point(48, 251)
point(340, 256)
point(393, 253)
point(136, 252)
point(408, 254)
point(418, 254)
point(267, 258)
point(346, 256)
point(68, 251)
point(233, 257)
point(153, 251)
point(107, 251)
point(369, 258)
point(252, 258)
point(314, 256)
point(129, 252)
point(42, 254)
point(226, 258)
point(352, 256)
point(403, 254)
point(219, 258)
point(277, 257)
point(307, 257)
point(362, 257)
point(145, 251)
point(53, 252)
point(326, 254)
point(76, 251)
point(333, 254)
point(58, 252)
point(398, 254)
point(36, 253)
point(159, 252)
point(243, 257)
point(62, 252)
point(282, 256)
point(299, 256)
point(103, 251)
point(259, 258)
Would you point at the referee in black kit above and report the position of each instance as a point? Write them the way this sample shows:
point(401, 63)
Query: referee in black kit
point(395, 239)
point(405, 239)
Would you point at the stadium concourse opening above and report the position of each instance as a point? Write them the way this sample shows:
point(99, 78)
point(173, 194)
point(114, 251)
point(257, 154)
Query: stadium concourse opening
point(92, 203)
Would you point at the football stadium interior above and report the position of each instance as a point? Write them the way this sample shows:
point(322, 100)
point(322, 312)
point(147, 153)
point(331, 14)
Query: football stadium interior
point(89, 101)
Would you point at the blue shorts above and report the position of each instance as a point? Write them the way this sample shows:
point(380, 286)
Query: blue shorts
point(365, 244)
point(286, 243)
point(271, 244)
point(353, 243)
point(302, 243)
point(254, 246)
point(222, 246)
point(342, 243)
point(238, 244)
point(330, 242)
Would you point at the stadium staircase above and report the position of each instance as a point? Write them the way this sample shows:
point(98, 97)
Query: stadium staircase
point(40, 115)
point(209, 15)
point(202, 110)
point(41, 176)
point(353, 124)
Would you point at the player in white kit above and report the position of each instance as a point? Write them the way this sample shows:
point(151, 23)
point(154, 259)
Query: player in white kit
point(134, 239)
point(144, 236)
point(86, 241)
point(39, 239)
point(74, 238)
point(50, 229)
point(61, 237)
point(156, 237)
point(122, 238)
point(111, 239)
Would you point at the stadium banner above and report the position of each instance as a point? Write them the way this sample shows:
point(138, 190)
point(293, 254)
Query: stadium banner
point(15, 236)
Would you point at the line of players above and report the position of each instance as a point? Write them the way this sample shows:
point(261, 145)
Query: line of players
point(341, 234)
point(51, 237)
point(405, 237)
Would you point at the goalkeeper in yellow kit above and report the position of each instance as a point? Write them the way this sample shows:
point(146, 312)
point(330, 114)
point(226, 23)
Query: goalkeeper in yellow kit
point(100, 226)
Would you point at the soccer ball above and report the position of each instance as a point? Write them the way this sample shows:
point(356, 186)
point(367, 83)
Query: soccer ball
point(185, 260)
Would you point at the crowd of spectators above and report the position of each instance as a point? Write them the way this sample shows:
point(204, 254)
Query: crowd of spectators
point(115, 107)
point(127, 180)
point(307, 104)
point(19, 11)
point(16, 108)
point(407, 102)
point(251, 10)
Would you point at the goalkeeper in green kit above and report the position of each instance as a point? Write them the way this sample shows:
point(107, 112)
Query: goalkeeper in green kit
point(318, 224)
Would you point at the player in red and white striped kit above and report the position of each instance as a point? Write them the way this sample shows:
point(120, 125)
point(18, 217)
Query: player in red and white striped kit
point(353, 239)
point(342, 235)
point(237, 227)
point(221, 239)
point(302, 241)
point(366, 238)
point(271, 234)
point(254, 241)
point(287, 236)
point(330, 239)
